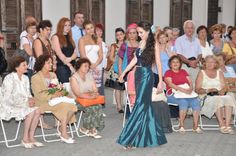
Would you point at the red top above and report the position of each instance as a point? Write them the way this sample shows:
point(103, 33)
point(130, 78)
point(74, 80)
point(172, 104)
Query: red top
point(177, 78)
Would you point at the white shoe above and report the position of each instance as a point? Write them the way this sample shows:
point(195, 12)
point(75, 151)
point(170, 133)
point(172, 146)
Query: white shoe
point(104, 115)
point(27, 145)
point(68, 141)
point(38, 144)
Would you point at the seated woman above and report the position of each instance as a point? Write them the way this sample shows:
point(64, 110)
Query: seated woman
point(83, 86)
point(64, 112)
point(17, 101)
point(228, 71)
point(211, 82)
point(173, 78)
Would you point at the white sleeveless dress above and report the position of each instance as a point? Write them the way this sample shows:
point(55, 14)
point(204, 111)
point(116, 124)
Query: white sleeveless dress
point(212, 103)
point(91, 52)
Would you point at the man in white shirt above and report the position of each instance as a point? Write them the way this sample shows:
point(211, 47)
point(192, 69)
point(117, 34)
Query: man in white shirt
point(77, 29)
point(189, 49)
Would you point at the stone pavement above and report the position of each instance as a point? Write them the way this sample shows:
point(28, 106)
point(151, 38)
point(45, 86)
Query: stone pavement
point(210, 143)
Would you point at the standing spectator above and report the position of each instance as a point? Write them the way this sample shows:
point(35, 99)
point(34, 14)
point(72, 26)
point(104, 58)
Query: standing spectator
point(91, 49)
point(28, 20)
point(224, 33)
point(42, 45)
point(26, 44)
point(3, 61)
point(129, 46)
point(230, 49)
point(64, 47)
point(189, 50)
point(78, 30)
point(202, 36)
point(216, 43)
point(99, 29)
point(113, 56)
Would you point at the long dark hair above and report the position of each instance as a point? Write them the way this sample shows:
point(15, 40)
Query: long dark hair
point(148, 54)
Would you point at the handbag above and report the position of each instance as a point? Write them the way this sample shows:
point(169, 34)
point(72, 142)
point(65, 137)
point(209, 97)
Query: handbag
point(124, 62)
point(158, 97)
point(114, 84)
point(179, 94)
point(90, 102)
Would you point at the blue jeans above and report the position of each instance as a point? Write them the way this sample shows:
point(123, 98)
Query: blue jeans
point(185, 103)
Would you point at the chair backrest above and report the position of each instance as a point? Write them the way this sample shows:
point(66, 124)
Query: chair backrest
point(66, 85)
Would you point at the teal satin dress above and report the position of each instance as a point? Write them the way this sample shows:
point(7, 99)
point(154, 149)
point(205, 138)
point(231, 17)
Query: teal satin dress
point(142, 129)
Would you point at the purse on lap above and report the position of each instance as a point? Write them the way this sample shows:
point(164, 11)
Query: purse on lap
point(179, 94)
point(90, 102)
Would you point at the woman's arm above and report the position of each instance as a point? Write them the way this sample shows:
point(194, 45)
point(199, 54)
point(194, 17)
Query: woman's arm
point(26, 46)
point(38, 48)
point(128, 68)
point(82, 48)
point(100, 56)
point(169, 82)
point(112, 54)
point(224, 88)
point(159, 66)
point(57, 48)
point(198, 84)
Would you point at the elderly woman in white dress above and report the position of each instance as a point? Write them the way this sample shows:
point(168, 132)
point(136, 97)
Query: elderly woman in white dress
point(17, 101)
point(211, 82)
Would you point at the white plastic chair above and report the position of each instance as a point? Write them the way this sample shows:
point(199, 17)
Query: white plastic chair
point(6, 140)
point(76, 126)
point(126, 104)
point(205, 126)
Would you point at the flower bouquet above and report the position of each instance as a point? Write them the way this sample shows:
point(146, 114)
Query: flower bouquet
point(55, 86)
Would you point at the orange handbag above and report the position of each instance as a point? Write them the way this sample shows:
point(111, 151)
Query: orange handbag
point(91, 102)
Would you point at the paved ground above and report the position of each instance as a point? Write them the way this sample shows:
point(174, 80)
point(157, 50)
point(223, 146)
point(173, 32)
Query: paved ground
point(210, 143)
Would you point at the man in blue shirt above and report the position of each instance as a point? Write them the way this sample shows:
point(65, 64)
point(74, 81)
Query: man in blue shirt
point(77, 29)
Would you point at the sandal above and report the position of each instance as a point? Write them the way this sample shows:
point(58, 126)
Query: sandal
point(182, 130)
point(84, 131)
point(198, 131)
point(229, 130)
point(223, 130)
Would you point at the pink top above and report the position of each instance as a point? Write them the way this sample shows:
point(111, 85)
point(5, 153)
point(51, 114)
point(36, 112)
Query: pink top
point(131, 86)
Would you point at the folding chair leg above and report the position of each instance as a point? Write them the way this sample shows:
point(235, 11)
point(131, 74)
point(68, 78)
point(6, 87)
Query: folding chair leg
point(11, 140)
point(207, 126)
point(124, 116)
point(45, 135)
point(78, 125)
point(175, 128)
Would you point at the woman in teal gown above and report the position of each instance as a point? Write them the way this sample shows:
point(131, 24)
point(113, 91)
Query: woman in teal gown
point(142, 129)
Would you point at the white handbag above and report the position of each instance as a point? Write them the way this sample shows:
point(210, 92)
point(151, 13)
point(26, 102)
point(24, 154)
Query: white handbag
point(179, 94)
point(158, 97)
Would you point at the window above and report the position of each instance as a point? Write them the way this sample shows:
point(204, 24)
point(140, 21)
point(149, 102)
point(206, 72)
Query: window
point(93, 10)
point(180, 11)
point(13, 13)
point(212, 12)
point(137, 10)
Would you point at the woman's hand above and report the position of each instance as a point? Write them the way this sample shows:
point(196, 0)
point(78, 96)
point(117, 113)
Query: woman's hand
point(93, 66)
point(160, 87)
point(222, 92)
point(121, 78)
point(31, 102)
point(57, 94)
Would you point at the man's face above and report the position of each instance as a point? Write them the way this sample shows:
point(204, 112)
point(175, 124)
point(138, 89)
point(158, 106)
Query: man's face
point(189, 29)
point(79, 19)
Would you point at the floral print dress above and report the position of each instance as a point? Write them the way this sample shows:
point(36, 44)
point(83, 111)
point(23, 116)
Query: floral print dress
point(14, 97)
